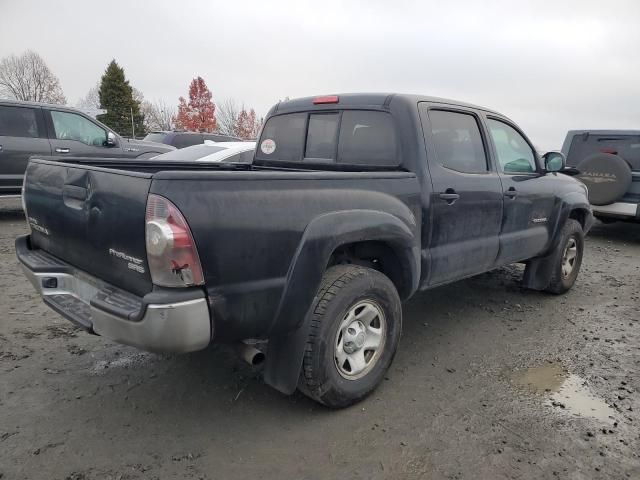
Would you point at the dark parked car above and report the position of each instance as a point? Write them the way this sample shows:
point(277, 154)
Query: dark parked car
point(608, 162)
point(28, 128)
point(352, 204)
point(187, 139)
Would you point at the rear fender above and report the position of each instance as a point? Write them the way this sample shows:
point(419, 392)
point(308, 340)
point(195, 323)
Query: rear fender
point(322, 236)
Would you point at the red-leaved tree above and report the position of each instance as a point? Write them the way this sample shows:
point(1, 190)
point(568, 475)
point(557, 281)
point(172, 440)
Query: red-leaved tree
point(247, 126)
point(197, 115)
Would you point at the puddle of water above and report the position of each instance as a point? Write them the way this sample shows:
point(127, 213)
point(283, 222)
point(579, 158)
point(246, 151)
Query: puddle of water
point(565, 391)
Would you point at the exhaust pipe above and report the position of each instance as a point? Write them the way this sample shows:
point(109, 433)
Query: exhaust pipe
point(250, 354)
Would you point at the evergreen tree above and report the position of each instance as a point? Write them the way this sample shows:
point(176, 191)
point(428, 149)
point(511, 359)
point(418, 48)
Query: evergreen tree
point(116, 97)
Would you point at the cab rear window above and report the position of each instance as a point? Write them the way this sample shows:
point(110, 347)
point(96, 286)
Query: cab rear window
point(348, 137)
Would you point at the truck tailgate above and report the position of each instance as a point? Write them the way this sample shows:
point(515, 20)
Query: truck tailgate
point(92, 218)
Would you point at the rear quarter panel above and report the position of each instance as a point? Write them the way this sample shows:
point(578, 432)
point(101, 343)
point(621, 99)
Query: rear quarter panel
point(248, 227)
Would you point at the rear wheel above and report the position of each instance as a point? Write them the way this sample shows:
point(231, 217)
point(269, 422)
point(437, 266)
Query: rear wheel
point(355, 329)
point(568, 258)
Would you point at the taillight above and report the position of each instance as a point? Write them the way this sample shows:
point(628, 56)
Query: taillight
point(171, 251)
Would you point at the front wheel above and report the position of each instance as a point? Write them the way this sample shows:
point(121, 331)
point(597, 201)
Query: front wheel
point(567, 258)
point(355, 330)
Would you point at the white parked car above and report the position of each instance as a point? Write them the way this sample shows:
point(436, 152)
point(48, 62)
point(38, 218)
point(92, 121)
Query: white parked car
point(216, 152)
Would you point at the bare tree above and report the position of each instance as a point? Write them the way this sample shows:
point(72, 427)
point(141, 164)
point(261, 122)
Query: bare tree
point(91, 101)
point(137, 95)
point(27, 77)
point(227, 112)
point(158, 115)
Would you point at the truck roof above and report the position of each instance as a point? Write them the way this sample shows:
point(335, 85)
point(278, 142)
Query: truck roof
point(373, 100)
point(603, 132)
point(7, 101)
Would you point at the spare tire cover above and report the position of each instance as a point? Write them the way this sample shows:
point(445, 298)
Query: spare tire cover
point(608, 177)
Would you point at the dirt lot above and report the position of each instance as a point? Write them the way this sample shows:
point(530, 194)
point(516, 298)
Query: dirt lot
point(490, 382)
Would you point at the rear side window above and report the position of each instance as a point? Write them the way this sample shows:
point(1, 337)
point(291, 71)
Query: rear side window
point(187, 139)
point(625, 146)
point(457, 141)
point(18, 122)
point(349, 137)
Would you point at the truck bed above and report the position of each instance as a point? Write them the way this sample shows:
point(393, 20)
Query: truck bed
point(247, 223)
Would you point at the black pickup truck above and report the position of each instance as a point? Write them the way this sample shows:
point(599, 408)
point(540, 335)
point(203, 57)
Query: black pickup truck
point(352, 204)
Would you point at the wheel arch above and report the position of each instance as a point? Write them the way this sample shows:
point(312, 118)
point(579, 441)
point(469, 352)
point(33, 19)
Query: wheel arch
point(539, 270)
point(371, 235)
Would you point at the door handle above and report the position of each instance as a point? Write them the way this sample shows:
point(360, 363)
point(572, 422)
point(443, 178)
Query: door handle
point(449, 195)
point(62, 150)
point(511, 193)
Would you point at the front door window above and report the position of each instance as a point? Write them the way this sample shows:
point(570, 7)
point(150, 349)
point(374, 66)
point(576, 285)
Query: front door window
point(70, 126)
point(514, 153)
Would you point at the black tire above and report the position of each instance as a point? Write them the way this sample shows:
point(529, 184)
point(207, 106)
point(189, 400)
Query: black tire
point(342, 290)
point(560, 281)
point(607, 176)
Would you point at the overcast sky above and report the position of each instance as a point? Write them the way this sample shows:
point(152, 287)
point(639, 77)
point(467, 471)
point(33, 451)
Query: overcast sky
point(550, 66)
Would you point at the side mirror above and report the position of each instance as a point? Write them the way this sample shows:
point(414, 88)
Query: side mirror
point(554, 161)
point(111, 140)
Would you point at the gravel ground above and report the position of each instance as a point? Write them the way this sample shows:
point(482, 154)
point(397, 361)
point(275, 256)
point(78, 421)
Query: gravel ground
point(491, 381)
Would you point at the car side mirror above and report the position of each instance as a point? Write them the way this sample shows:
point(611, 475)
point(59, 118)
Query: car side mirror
point(554, 161)
point(111, 140)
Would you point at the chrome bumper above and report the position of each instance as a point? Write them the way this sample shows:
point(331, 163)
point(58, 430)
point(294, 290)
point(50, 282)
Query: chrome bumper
point(178, 327)
point(619, 209)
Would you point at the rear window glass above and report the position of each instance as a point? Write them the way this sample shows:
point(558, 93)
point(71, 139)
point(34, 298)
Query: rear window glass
point(18, 122)
point(367, 138)
point(352, 137)
point(155, 137)
point(283, 138)
point(625, 146)
point(187, 139)
point(322, 135)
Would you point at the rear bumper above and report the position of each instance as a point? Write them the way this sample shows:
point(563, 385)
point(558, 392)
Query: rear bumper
point(170, 322)
point(619, 210)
